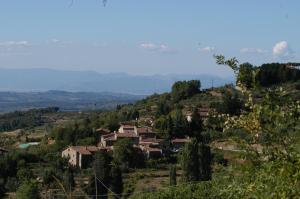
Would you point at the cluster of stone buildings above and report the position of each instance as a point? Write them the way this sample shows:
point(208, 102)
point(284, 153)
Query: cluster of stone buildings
point(142, 138)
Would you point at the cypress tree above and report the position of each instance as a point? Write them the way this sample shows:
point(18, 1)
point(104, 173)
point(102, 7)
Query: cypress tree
point(205, 159)
point(102, 172)
point(190, 161)
point(169, 127)
point(196, 162)
point(173, 180)
point(68, 180)
point(196, 125)
point(116, 180)
point(180, 124)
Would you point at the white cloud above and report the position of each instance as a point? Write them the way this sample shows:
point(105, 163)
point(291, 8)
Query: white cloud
point(282, 50)
point(58, 41)
point(252, 50)
point(11, 44)
point(207, 49)
point(8, 48)
point(54, 40)
point(156, 47)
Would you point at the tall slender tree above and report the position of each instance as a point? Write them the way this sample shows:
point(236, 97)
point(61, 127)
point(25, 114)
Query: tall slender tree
point(180, 124)
point(190, 161)
point(196, 161)
point(196, 125)
point(205, 159)
point(173, 179)
point(169, 126)
point(68, 180)
point(116, 182)
point(102, 173)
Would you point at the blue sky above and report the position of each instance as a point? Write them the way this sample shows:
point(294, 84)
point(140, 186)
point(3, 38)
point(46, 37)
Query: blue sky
point(147, 36)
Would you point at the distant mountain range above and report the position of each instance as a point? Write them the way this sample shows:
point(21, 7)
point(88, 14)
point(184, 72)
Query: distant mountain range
point(28, 80)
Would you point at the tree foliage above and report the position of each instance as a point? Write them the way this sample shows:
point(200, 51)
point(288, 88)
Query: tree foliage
point(276, 73)
point(184, 89)
point(273, 172)
point(246, 75)
point(173, 175)
point(24, 119)
point(196, 162)
point(126, 155)
point(28, 190)
point(100, 179)
point(116, 183)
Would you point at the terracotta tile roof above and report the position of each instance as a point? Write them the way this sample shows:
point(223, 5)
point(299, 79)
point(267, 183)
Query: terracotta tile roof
point(180, 140)
point(128, 126)
point(81, 149)
point(126, 135)
point(150, 140)
point(151, 149)
point(108, 135)
point(112, 138)
point(108, 148)
point(92, 148)
point(103, 131)
point(143, 130)
point(128, 131)
point(87, 150)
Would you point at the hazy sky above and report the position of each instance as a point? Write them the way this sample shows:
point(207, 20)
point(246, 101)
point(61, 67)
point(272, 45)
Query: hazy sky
point(147, 36)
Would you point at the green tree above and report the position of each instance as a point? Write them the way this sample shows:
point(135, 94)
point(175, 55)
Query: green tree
point(173, 180)
point(116, 182)
point(2, 189)
point(196, 161)
point(28, 190)
point(111, 121)
point(102, 172)
point(170, 126)
point(245, 75)
point(184, 89)
point(24, 174)
point(196, 125)
point(205, 159)
point(180, 127)
point(231, 103)
point(190, 161)
point(100, 179)
point(163, 108)
point(126, 155)
point(68, 180)
point(164, 125)
point(123, 153)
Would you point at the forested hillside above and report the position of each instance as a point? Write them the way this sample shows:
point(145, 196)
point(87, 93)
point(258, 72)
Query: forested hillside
point(24, 119)
point(239, 142)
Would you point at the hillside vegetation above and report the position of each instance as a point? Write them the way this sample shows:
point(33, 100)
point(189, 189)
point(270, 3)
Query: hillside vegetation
point(244, 142)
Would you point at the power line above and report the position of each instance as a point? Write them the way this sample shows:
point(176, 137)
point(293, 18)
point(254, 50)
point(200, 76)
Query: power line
point(107, 187)
point(135, 193)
